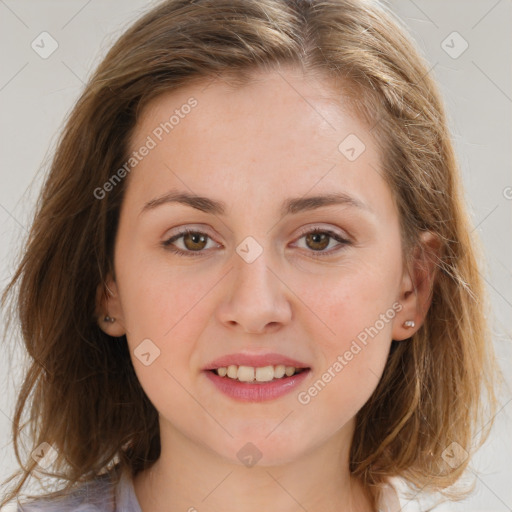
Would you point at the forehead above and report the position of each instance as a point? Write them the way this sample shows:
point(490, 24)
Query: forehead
point(265, 99)
point(280, 132)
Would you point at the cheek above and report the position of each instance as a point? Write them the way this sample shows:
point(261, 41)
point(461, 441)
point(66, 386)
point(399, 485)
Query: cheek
point(353, 312)
point(350, 361)
point(167, 307)
point(351, 298)
point(158, 300)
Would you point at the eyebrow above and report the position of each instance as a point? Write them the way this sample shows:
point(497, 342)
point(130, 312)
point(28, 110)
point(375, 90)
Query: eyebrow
point(289, 207)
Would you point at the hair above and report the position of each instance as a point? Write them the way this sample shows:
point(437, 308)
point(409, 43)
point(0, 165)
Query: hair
point(81, 390)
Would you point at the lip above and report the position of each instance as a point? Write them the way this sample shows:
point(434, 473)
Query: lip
point(257, 391)
point(254, 360)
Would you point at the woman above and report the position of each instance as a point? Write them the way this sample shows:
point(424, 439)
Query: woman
point(250, 282)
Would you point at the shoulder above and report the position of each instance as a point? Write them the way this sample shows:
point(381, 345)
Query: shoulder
point(389, 500)
point(97, 495)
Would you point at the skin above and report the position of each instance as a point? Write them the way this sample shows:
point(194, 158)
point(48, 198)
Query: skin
point(253, 147)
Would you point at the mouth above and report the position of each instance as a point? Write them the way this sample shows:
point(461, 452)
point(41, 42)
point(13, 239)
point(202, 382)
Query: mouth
point(257, 374)
point(250, 378)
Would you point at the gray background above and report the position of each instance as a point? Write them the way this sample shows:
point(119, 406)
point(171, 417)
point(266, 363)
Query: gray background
point(36, 94)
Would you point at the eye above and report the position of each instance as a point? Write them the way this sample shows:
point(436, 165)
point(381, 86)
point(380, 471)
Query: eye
point(193, 242)
point(317, 240)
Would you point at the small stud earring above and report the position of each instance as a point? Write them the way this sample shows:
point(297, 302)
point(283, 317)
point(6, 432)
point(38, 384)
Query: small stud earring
point(109, 319)
point(409, 323)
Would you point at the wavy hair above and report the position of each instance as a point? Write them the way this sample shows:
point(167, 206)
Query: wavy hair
point(80, 392)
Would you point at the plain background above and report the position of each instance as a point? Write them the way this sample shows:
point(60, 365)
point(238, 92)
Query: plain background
point(37, 93)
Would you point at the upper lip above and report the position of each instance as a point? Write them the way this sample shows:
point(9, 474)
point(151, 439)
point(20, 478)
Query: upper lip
point(254, 360)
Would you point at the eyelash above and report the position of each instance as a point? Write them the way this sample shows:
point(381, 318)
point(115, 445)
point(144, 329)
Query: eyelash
point(167, 244)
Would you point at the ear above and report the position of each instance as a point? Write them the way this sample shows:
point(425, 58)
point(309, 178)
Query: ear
point(109, 305)
point(417, 286)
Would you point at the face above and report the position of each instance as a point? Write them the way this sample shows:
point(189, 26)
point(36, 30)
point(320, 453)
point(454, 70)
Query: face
point(266, 276)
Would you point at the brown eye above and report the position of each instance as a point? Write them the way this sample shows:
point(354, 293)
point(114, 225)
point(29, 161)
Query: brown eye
point(188, 243)
point(194, 241)
point(317, 241)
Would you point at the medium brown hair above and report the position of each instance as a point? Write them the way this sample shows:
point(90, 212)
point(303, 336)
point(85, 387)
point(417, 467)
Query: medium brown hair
point(81, 391)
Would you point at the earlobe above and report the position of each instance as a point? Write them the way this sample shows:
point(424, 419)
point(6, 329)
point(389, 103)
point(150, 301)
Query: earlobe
point(108, 309)
point(417, 286)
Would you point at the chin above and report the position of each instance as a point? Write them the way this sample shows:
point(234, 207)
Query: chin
point(262, 447)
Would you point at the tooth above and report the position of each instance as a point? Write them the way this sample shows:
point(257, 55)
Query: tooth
point(289, 370)
point(279, 371)
point(245, 373)
point(265, 373)
point(260, 374)
point(232, 371)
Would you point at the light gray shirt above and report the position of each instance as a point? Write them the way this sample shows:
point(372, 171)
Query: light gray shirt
point(100, 495)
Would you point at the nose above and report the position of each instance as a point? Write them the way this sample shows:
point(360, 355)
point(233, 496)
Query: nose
point(257, 301)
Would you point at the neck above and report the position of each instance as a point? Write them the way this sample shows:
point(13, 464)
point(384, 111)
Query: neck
point(189, 477)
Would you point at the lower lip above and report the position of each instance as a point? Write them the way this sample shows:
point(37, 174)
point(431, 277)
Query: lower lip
point(256, 392)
